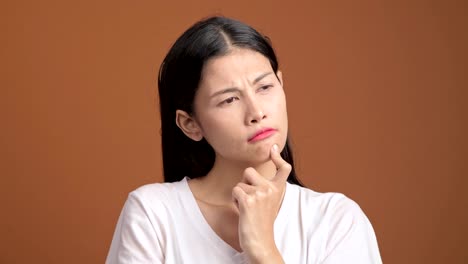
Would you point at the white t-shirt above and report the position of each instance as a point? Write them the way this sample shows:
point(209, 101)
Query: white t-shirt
point(162, 223)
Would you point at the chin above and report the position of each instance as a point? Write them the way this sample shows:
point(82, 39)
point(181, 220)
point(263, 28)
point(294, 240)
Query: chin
point(260, 156)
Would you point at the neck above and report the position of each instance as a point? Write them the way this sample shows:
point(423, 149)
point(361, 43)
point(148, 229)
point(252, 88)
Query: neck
point(216, 187)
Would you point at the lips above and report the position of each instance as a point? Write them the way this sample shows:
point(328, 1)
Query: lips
point(262, 134)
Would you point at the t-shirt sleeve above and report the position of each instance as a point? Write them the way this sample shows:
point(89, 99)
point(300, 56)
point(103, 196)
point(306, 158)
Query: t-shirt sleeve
point(135, 239)
point(351, 238)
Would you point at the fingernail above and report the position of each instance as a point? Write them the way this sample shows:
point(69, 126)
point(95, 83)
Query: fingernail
point(275, 148)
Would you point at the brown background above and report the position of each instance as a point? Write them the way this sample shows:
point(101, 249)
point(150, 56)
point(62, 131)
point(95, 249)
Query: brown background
point(376, 93)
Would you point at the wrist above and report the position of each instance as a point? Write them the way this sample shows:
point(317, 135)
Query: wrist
point(270, 256)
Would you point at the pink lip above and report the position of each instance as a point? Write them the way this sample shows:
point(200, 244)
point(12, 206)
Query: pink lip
point(262, 134)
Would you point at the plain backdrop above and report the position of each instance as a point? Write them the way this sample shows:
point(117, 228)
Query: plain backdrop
point(376, 94)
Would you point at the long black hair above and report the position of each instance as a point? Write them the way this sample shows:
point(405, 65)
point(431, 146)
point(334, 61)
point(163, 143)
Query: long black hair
point(179, 78)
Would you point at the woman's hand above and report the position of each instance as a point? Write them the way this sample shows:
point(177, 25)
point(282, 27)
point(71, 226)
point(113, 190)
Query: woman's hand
point(258, 201)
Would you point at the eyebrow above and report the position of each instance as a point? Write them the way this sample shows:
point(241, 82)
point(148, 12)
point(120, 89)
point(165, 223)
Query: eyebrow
point(235, 89)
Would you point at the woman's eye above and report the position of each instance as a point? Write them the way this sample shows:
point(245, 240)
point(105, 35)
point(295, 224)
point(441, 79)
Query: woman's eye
point(230, 100)
point(265, 87)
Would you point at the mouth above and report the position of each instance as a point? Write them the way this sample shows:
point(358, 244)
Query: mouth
point(262, 134)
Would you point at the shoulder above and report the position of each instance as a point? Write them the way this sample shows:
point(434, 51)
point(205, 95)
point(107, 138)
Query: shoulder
point(141, 232)
point(157, 190)
point(336, 214)
point(156, 198)
point(329, 203)
point(345, 227)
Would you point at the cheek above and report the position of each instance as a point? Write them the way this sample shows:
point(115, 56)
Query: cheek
point(277, 106)
point(217, 128)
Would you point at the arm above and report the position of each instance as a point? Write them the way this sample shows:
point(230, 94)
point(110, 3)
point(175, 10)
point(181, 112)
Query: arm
point(351, 237)
point(135, 239)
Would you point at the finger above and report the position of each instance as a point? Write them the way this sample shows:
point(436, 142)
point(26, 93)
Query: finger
point(252, 177)
point(248, 189)
point(236, 202)
point(238, 195)
point(283, 168)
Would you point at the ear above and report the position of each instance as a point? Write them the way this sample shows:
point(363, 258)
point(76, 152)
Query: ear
point(280, 77)
point(188, 125)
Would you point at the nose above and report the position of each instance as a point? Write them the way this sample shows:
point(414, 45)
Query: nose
point(254, 113)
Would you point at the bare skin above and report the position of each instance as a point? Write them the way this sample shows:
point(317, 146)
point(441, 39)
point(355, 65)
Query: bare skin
point(246, 221)
point(240, 96)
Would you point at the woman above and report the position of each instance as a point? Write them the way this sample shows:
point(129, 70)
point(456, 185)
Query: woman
point(231, 194)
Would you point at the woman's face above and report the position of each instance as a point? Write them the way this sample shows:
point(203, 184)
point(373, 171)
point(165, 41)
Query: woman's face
point(240, 107)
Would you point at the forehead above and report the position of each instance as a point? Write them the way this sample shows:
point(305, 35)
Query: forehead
point(238, 65)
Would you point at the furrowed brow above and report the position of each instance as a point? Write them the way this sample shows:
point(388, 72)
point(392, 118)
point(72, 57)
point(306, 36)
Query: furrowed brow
point(259, 78)
point(235, 89)
point(224, 91)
